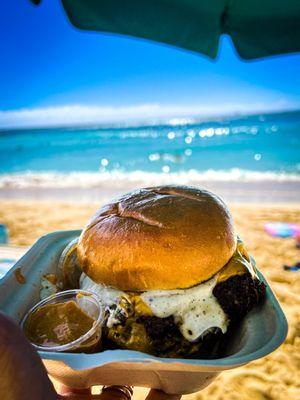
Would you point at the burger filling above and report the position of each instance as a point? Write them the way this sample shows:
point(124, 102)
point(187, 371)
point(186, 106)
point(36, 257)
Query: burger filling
point(178, 322)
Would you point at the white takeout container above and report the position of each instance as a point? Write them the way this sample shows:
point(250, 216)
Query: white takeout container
point(258, 334)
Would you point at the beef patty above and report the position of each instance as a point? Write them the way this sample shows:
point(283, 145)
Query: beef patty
point(237, 296)
point(161, 336)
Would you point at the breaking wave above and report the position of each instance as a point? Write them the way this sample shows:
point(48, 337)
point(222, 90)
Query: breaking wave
point(118, 178)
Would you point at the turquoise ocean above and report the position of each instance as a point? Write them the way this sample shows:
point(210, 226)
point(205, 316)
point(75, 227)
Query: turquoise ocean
point(241, 148)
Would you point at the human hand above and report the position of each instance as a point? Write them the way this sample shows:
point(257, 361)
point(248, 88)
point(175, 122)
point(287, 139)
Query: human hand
point(23, 375)
point(111, 393)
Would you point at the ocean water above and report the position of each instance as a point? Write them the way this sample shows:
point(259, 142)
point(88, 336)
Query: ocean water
point(249, 148)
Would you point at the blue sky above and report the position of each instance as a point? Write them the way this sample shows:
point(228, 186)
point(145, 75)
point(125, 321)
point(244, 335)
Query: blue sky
point(51, 73)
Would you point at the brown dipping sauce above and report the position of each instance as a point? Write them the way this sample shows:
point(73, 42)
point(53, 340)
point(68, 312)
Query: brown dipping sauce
point(57, 324)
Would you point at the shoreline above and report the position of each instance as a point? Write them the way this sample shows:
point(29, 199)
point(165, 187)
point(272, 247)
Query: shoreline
point(262, 192)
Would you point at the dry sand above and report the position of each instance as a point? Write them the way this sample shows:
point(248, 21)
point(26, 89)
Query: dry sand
point(276, 376)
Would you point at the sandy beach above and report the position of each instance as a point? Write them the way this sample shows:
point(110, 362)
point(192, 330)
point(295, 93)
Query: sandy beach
point(265, 191)
point(276, 376)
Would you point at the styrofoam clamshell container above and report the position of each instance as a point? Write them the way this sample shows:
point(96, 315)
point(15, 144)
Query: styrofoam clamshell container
point(260, 333)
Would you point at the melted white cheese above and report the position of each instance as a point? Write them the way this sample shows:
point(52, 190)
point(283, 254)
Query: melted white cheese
point(108, 297)
point(195, 310)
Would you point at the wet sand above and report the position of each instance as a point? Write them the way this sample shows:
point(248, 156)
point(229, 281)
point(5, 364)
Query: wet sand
point(234, 191)
point(275, 377)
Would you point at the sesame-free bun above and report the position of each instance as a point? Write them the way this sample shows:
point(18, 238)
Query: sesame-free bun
point(166, 237)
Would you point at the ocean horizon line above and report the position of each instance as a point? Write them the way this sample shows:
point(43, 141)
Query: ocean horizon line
point(152, 121)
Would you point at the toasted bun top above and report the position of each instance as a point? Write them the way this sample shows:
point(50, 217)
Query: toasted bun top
point(166, 237)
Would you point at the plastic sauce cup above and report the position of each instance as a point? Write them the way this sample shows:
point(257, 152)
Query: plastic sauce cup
point(87, 343)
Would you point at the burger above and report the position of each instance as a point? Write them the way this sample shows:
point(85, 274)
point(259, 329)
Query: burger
point(169, 270)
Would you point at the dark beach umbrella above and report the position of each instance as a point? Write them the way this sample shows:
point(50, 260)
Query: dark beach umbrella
point(258, 28)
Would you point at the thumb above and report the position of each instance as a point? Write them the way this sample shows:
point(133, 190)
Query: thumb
point(108, 393)
point(23, 375)
point(155, 394)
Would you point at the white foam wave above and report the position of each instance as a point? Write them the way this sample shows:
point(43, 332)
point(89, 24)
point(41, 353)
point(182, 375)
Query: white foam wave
point(117, 179)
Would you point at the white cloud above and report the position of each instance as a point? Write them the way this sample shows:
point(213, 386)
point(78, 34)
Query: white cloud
point(68, 115)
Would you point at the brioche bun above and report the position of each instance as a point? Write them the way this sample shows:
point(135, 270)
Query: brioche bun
point(167, 237)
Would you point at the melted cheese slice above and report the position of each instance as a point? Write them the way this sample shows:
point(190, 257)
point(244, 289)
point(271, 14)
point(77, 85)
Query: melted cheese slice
point(239, 264)
point(195, 310)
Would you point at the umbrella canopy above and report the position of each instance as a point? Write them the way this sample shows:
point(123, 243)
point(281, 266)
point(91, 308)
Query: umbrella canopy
point(258, 28)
